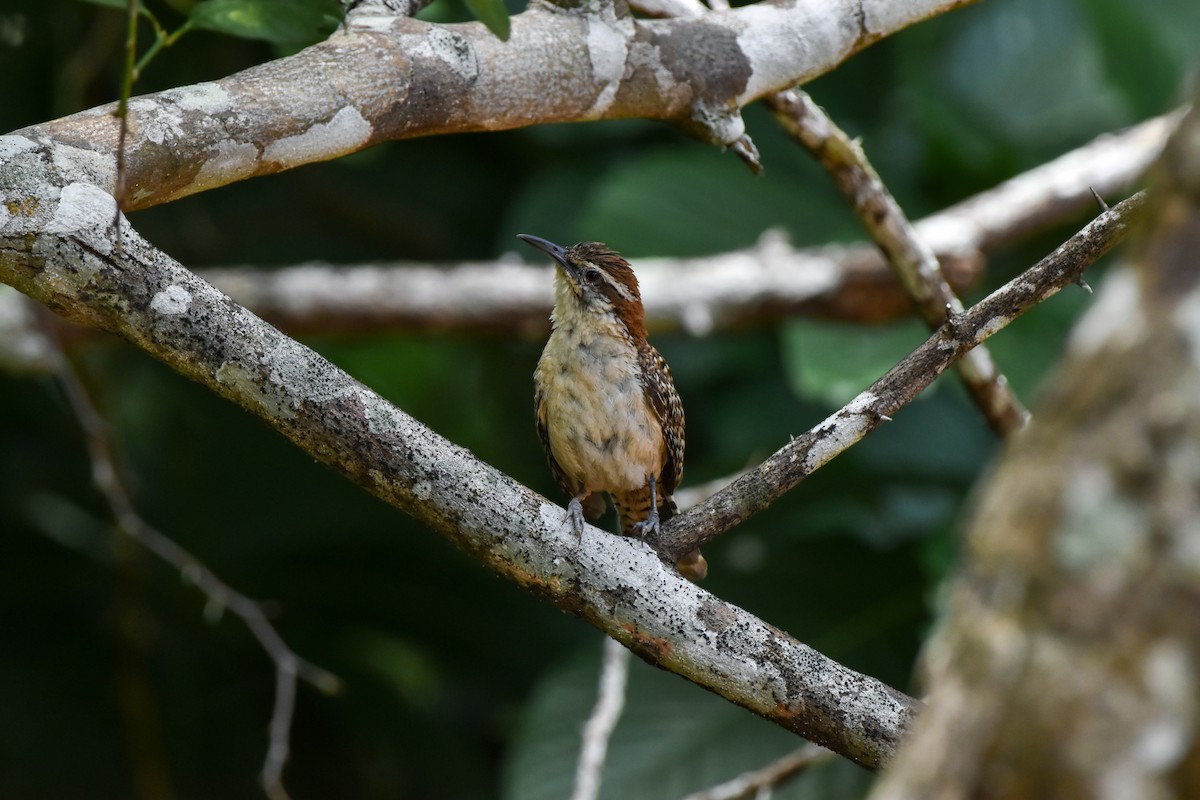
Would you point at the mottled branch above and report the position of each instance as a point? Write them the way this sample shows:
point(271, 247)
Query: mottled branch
point(759, 285)
point(758, 488)
point(1067, 659)
point(616, 583)
point(911, 258)
point(387, 76)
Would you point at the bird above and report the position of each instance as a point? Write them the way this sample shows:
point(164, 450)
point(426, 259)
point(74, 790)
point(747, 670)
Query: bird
point(607, 411)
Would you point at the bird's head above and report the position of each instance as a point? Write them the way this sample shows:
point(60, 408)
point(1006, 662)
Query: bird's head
point(594, 279)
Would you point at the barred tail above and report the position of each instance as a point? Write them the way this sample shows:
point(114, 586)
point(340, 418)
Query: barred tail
point(634, 507)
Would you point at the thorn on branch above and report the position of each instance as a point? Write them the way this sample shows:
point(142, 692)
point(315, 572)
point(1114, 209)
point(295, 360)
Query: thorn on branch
point(952, 321)
point(1099, 200)
point(745, 150)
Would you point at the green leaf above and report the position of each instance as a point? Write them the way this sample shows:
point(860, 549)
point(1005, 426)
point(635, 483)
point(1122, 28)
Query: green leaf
point(492, 13)
point(833, 362)
point(1139, 51)
point(1011, 93)
point(278, 21)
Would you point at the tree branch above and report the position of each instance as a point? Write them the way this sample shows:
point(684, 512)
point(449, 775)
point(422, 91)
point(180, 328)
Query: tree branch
point(762, 284)
point(60, 251)
point(1065, 662)
point(912, 260)
point(387, 76)
point(614, 672)
point(758, 488)
point(760, 782)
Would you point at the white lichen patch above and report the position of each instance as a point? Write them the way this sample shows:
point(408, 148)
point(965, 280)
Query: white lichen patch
point(89, 166)
point(776, 39)
point(346, 132)
point(208, 98)
point(1165, 738)
point(608, 51)
point(841, 430)
point(13, 146)
point(246, 387)
point(171, 301)
point(82, 207)
point(991, 327)
point(881, 17)
point(646, 55)
point(381, 415)
point(454, 50)
point(1099, 527)
point(376, 23)
point(553, 517)
point(156, 121)
point(227, 162)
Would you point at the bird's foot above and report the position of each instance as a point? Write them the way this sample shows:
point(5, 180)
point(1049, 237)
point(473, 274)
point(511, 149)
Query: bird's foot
point(647, 527)
point(575, 517)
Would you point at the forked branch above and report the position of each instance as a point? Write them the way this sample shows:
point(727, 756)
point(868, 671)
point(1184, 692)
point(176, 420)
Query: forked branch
point(758, 488)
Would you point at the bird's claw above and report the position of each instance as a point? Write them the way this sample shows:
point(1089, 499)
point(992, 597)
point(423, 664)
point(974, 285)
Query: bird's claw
point(647, 527)
point(575, 517)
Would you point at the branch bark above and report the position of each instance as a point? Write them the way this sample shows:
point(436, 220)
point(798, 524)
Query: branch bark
point(760, 487)
point(386, 76)
point(760, 285)
point(911, 258)
point(1068, 658)
point(618, 584)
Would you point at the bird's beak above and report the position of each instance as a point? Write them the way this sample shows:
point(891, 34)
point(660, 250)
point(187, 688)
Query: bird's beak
point(555, 251)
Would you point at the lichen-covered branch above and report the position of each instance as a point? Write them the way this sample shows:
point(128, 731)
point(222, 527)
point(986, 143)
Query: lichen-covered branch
point(764, 283)
point(1068, 657)
point(60, 250)
point(387, 76)
point(912, 259)
point(761, 486)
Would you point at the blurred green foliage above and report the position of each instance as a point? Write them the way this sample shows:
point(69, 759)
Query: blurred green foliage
point(114, 683)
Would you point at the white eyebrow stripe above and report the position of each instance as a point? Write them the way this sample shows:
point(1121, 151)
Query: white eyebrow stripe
point(620, 288)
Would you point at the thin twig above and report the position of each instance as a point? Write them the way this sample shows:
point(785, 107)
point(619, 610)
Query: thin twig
point(759, 782)
point(614, 672)
point(122, 112)
point(912, 259)
point(788, 466)
point(288, 666)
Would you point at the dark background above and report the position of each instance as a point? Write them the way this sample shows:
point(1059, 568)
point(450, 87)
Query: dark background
point(115, 682)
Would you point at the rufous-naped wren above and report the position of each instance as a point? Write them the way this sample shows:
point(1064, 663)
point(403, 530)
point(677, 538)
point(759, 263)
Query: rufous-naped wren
point(607, 410)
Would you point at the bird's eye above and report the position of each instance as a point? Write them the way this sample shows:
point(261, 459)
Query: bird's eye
point(591, 276)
